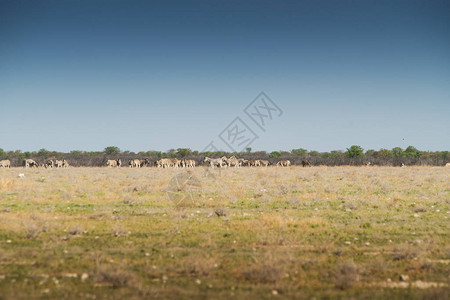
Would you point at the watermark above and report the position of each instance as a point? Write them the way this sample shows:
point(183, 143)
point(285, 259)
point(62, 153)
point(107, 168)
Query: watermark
point(262, 110)
point(239, 135)
point(184, 188)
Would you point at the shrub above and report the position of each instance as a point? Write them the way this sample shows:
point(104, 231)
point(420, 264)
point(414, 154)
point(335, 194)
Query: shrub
point(346, 274)
point(299, 151)
point(275, 154)
point(43, 152)
point(112, 150)
point(354, 151)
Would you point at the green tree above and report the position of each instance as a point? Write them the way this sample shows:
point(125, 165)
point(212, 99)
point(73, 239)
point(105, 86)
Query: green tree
point(384, 153)
point(158, 154)
point(370, 152)
point(112, 150)
point(411, 151)
point(2, 153)
point(354, 151)
point(76, 153)
point(299, 151)
point(43, 152)
point(183, 152)
point(397, 152)
point(335, 153)
point(248, 149)
point(275, 154)
point(314, 153)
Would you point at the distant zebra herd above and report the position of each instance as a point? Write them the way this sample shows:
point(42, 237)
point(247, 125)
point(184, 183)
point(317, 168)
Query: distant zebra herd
point(30, 163)
point(221, 162)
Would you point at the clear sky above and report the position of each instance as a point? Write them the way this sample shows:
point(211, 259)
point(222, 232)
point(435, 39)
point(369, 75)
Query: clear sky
point(156, 75)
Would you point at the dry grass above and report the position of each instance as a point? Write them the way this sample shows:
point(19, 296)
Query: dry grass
point(320, 232)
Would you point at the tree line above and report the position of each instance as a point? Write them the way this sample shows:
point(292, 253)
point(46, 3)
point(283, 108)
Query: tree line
point(354, 155)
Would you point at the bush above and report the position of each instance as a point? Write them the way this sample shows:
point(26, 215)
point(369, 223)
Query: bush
point(354, 151)
point(112, 150)
point(275, 154)
point(397, 152)
point(412, 152)
point(183, 152)
point(299, 151)
point(43, 152)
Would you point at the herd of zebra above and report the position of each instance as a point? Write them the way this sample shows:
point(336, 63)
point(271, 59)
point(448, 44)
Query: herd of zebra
point(221, 162)
point(30, 163)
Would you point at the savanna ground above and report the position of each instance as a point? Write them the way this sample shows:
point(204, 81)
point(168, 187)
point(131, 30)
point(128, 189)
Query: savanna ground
point(303, 233)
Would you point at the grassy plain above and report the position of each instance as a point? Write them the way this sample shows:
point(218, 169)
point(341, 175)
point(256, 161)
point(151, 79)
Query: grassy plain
point(255, 233)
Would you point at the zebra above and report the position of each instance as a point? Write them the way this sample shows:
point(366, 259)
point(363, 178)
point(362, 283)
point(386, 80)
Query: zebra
point(5, 163)
point(233, 161)
point(49, 164)
point(175, 162)
point(213, 162)
point(254, 163)
point(134, 163)
point(264, 163)
point(168, 162)
point(30, 163)
point(188, 163)
point(113, 163)
point(242, 162)
point(65, 163)
point(58, 163)
point(306, 163)
point(284, 163)
point(145, 162)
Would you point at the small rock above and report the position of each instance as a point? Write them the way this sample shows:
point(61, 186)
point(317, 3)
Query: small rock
point(404, 277)
point(84, 276)
point(8, 241)
point(71, 275)
point(347, 243)
point(367, 244)
point(198, 281)
point(274, 292)
point(416, 215)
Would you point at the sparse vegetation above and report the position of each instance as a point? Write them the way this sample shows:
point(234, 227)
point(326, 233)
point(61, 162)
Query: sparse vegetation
point(297, 233)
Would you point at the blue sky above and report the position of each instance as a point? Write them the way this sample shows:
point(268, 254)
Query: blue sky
point(156, 75)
